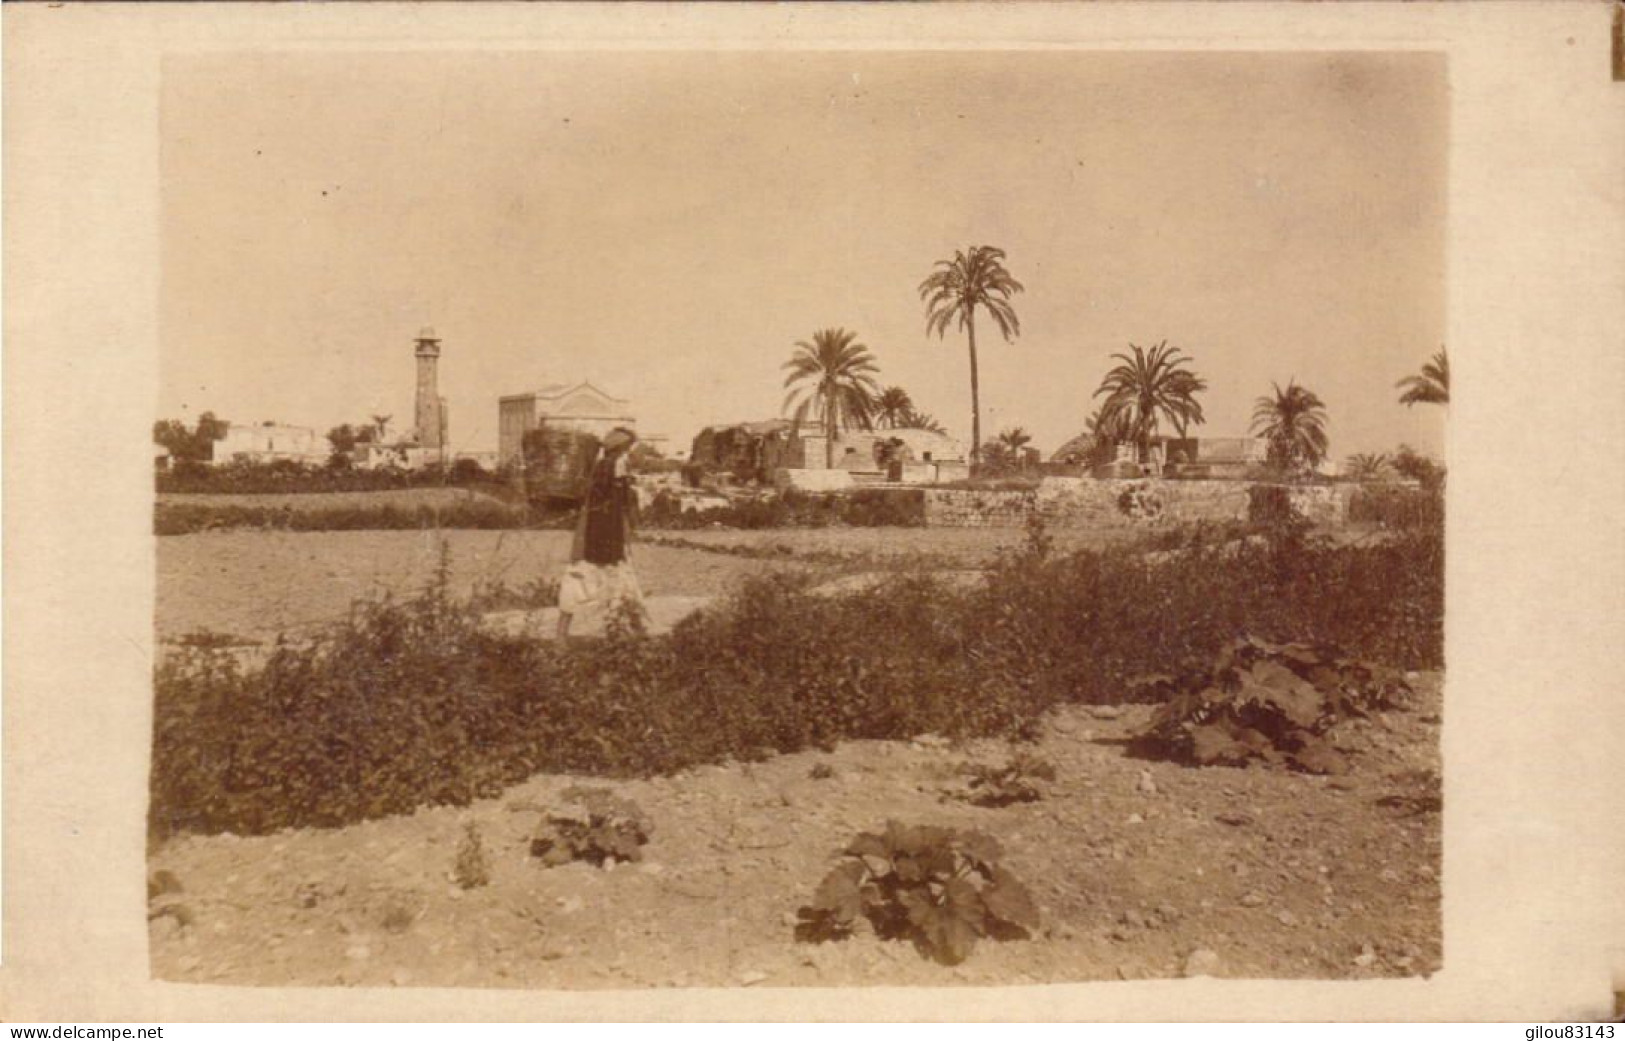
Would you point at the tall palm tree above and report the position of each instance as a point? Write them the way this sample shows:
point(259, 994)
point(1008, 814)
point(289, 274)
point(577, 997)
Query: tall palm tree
point(1293, 421)
point(1432, 386)
point(1367, 466)
point(381, 424)
point(974, 278)
point(892, 407)
point(832, 375)
point(1148, 386)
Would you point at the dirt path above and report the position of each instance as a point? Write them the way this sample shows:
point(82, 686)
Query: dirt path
point(1137, 866)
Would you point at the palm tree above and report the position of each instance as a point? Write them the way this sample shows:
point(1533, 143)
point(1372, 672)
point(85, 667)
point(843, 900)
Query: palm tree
point(381, 424)
point(1367, 466)
point(832, 374)
point(1147, 386)
point(914, 419)
point(1011, 442)
point(1432, 387)
point(974, 278)
point(1108, 432)
point(892, 407)
point(1293, 421)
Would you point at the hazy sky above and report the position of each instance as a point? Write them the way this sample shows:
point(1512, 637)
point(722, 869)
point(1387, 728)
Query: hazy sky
point(669, 224)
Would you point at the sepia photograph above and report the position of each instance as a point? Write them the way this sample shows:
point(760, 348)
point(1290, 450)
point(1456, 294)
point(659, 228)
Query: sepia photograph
point(819, 518)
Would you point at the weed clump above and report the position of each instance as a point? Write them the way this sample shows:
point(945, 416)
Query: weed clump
point(940, 888)
point(593, 825)
point(1265, 701)
point(1025, 778)
point(471, 870)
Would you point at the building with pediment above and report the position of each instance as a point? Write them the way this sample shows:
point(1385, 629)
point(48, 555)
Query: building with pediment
point(579, 406)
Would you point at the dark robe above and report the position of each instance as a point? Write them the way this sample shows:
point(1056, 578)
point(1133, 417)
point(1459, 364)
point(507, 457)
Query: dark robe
point(606, 514)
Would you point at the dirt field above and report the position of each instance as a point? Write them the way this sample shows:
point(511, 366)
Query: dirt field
point(400, 498)
point(1137, 867)
point(1141, 869)
point(257, 584)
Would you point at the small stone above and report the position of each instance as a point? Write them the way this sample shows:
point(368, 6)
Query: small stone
point(1134, 818)
point(1133, 919)
point(1146, 785)
point(1202, 962)
point(1287, 918)
point(1389, 875)
point(1366, 958)
point(747, 979)
point(1426, 871)
point(1252, 900)
point(358, 952)
point(571, 904)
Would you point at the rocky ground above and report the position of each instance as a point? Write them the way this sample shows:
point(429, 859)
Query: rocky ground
point(1142, 869)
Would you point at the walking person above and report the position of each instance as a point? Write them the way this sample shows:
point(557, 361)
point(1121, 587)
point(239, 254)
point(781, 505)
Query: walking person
point(600, 572)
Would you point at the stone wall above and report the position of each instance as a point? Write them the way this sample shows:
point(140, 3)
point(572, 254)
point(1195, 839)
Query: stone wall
point(1082, 502)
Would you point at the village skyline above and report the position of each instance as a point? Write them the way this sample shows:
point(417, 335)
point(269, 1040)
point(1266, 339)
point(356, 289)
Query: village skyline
point(1284, 220)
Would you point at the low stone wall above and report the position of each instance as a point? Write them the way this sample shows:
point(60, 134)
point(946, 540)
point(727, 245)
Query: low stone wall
point(1083, 502)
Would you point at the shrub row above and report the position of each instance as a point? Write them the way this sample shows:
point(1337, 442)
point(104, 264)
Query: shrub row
point(187, 518)
point(1397, 507)
point(861, 508)
point(411, 704)
point(288, 476)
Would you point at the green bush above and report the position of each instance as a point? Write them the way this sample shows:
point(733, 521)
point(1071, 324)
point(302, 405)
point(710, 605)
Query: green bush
point(410, 704)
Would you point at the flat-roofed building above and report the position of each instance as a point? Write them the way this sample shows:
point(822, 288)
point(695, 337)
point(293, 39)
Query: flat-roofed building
point(579, 406)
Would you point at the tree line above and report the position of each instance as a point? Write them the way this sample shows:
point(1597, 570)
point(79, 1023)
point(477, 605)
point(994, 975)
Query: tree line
point(832, 379)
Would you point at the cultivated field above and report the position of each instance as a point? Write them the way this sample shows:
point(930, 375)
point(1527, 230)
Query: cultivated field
point(259, 583)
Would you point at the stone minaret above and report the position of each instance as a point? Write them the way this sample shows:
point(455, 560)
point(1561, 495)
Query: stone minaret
point(430, 413)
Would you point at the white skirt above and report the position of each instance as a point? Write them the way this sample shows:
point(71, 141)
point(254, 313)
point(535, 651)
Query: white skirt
point(588, 587)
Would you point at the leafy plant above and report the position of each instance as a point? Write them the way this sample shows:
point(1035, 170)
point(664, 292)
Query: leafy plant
point(1268, 701)
point(1024, 778)
point(594, 825)
point(939, 887)
point(471, 870)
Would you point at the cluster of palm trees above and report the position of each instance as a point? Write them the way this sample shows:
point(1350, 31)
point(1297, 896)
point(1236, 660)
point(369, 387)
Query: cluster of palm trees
point(1429, 387)
point(833, 377)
